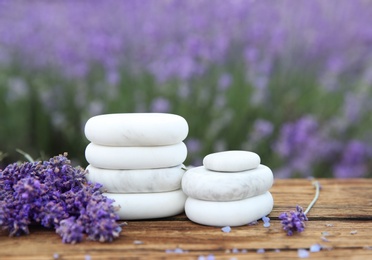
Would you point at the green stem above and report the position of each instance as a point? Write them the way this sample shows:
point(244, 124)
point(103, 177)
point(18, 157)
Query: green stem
point(26, 155)
point(317, 189)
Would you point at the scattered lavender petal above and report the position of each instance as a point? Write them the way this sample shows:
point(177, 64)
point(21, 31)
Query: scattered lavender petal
point(226, 229)
point(277, 250)
point(260, 251)
point(201, 257)
point(88, 257)
point(315, 248)
point(210, 257)
point(303, 253)
point(235, 250)
point(55, 256)
point(244, 251)
point(178, 251)
point(324, 239)
point(266, 221)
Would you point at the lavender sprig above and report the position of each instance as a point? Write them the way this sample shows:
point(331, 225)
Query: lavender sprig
point(294, 220)
point(56, 195)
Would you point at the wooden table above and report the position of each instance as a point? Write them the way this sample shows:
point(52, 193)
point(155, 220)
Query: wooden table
point(340, 221)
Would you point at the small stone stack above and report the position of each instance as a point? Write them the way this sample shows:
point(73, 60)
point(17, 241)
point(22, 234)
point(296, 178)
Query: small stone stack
point(230, 189)
point(138, 158)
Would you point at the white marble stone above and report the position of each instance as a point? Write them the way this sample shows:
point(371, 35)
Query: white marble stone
point(137, 181)
point(232, 213)
point(200, 183)
point(134, 158)
point(148, 205)
point(136, 129)
point(231, 161)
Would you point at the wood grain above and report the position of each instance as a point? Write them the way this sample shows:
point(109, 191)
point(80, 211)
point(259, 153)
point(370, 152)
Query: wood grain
point(342, 215)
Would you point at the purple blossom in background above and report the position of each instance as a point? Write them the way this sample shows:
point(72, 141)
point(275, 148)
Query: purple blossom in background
point(354, 105)
point(354, 160)
point(224, 82)
point(193, 145)
point(260, 70)
point(17, 89)
point(261, 129)
point(180, 40)
point(301, 145)
point(160, 105)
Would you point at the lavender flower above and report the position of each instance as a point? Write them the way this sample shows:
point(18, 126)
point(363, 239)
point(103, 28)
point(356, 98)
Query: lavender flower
point(70, 230)
point(294, 220)
point(354, 160)
point(160, 105)
point(56, 195)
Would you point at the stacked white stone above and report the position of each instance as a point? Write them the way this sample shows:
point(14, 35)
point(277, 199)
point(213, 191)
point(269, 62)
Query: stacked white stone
point(230, 189)
point(138, 158)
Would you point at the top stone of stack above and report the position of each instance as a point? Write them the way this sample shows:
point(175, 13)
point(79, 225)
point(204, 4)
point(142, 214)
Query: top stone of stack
point(136, 129)
point(231, 161)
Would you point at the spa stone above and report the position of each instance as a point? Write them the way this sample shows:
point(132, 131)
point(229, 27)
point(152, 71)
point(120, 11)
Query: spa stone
point(134, 158)
point(203, 184)
point(138, 206)
point(232, 213)
point(231, 161)
point(137, 181)
point(136, 129)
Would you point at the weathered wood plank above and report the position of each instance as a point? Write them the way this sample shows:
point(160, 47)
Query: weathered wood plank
point(197, 240)
point(342, 215)
point(341, 198)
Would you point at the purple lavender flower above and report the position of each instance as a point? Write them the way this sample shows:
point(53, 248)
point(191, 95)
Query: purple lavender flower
point(293, 221)
point(160, 105)
point(353, 161)
point(56, 195)
point(224, 82)
point(302, 145)
point(261, 129)
point(70, 230)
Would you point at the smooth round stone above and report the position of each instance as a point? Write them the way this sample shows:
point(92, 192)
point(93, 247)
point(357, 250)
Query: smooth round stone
point(203, 184)
point(136, 129)
point(134, 158)
point(137, 181)
point(232, 213)
point(148, 205)
point(231, 161)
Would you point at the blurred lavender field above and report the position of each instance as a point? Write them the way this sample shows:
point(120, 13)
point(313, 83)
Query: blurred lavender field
point(288, 79)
